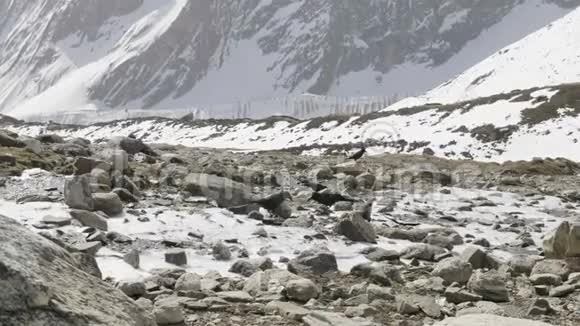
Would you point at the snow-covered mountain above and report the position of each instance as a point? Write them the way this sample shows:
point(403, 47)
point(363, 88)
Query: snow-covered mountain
point(60, 55)
point(550, 56)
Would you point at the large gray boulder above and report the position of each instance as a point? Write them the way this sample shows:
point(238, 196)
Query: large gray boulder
point(353, 226)
point(109, 203)
point(453, 270)
point(40, 281)
point(491, 286)
point(313, 261)
point(90, 219)
point(77, 193)
point(562, 242)
point(226, 192)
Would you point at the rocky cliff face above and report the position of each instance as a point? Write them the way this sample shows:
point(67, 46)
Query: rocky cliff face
point(62, 55)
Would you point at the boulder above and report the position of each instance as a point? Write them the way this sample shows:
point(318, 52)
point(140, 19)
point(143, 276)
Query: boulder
point(188, 282)
point(9, 141)
point(486, 320)
point(176, 257)
point(287, 310)
point(453, 270)
point(168, 311)
point(301, 290)
point(125, 195)
point(562, 242)
point(71, 150)
point(77, 193)
point(422, 251)
point(243, 267)
point(132, 289)
point(458, 295)
point(132, 258)
point(85, 165)
point(558, 267)
point(475, 256)
point(490, 286)
point(224, 191)
point(353, 226)
point(50, 139)
point(313, 261)
point(221, 252)
point(110, 203)
point(35, 274)
point(90, 219)
point(131, 145)
point(270, 281)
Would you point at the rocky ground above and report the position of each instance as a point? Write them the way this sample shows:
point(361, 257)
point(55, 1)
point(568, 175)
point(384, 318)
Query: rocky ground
point(117, 232)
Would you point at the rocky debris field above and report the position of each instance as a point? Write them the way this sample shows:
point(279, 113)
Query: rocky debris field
point(118, 232)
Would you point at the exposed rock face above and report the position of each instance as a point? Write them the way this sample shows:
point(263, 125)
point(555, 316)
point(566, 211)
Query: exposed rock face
point(39, 280)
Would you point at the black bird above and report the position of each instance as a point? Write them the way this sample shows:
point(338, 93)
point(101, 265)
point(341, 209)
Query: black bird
point(272, 202)
point(356, 156)
point(329, 198)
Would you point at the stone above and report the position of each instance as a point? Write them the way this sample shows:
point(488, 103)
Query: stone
point(313, 261)
point(50, 139)
point(100, 176)
point(260, 232)
point(301, 290)
point(7, 140)
point(90, 219)
point(221, 252)
point(118, 237)
point(236, 296)
point(546, 279)
point(375, 292)
point(110, 203)
point(56, 220)
point(353, 226)
point(273, 280)
point(224, 191)
point(176, 257)
point(243, 267)
point(35, 273)
point(323, 318)
point(131, 145)
point(132, 258)
point(439, 240)
point(379, 255)
point(486, 320)
point(422, 251)
point(562, 290)
point(77, 193)
point(87, 263)
point(363, 310)
point(458, 295)
point(71, 150)
point(348, 168)
point(89, 248)
point(489, 285)
point(145, 304)
point(553, 266)
point(540, 307)
point(85, 165)
point(188, 282)
point(406, 306)
point(366, 180)
point(125, 195)
point(542, 290)
point(167, 311)
point(523, 264)
point(475, 256)
point(323, 172)
point(453, 270)
point(563, 241)
point(132, 289)
point(287, 310)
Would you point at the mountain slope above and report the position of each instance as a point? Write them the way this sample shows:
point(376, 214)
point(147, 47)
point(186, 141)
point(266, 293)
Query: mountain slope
point(61, 55)
point(538, 122)
point(550, 56)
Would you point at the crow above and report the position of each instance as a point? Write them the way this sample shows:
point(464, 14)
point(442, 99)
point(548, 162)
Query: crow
point(356, 156)
point(272, 202)
point(329, 198)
